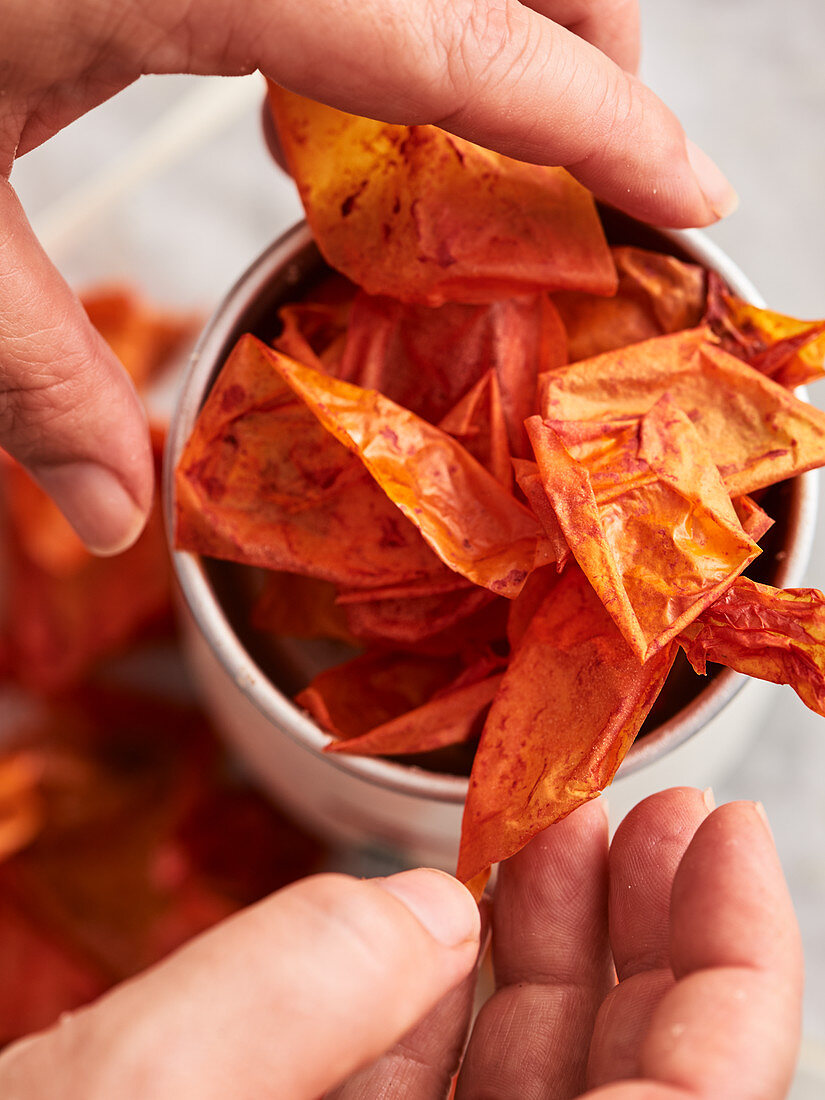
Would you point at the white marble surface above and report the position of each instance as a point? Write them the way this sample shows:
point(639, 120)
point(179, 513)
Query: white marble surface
point(749, 84)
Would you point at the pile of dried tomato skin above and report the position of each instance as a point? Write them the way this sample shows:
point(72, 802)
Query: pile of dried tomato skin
point(516, 468)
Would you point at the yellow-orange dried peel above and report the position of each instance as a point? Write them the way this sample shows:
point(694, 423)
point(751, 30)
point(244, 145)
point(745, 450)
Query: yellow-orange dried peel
point(459, 621)
point(529, 481)
point(757, 432)
point(423, 216)
point(294, 606)
point(443, 720)
point(646, 515)
point(21, 806)
point(314, 333)
point(478, 423)
point(755, 520)
point(411, 618)
point(789, 351)
point(770, 633)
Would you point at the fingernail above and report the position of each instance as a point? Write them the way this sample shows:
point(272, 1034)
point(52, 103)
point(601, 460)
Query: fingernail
point(95, 503)
point(721, 197)
point(708, 799)
point(437, 901)
point(760, 809)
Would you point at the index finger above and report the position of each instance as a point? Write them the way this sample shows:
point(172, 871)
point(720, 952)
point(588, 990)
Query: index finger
point(499, 73)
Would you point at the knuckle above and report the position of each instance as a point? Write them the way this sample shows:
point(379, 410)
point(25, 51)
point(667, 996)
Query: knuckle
point(627, 121)
point(614, 108)
point(42, 399)
point(660, 817)
point(34, 404)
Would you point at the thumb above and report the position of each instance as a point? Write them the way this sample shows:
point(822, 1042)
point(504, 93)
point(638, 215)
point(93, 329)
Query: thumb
point(68, 410)
point(288, 997)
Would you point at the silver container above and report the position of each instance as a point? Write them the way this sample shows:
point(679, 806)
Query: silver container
point(380, 806)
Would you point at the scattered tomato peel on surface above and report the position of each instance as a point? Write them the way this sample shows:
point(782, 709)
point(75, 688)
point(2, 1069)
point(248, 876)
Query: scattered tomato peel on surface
point(578, 453)
point(124, 828)
point(143, 837)
point(64, 608)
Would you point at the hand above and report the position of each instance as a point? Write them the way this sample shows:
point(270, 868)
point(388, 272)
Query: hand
point(292, 996)
point(691, 908)
point(549, 81)
point(283, 1000)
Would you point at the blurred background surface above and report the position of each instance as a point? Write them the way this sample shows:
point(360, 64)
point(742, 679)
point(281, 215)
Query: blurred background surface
point(169, 187)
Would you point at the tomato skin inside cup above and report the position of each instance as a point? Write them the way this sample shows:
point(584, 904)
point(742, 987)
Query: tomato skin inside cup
point(411, 806)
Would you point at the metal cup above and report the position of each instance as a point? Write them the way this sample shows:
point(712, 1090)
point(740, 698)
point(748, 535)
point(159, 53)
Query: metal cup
point(378, 805)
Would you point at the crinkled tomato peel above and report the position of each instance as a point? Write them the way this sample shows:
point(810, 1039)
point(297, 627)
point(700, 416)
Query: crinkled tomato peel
point(770, 633)
point(572, 700)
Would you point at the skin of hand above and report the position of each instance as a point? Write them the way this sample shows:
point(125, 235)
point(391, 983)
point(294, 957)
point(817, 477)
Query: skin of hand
point(303, 992)
point(549, 81)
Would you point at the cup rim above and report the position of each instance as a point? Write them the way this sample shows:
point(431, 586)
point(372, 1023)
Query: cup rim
point(203, 605)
